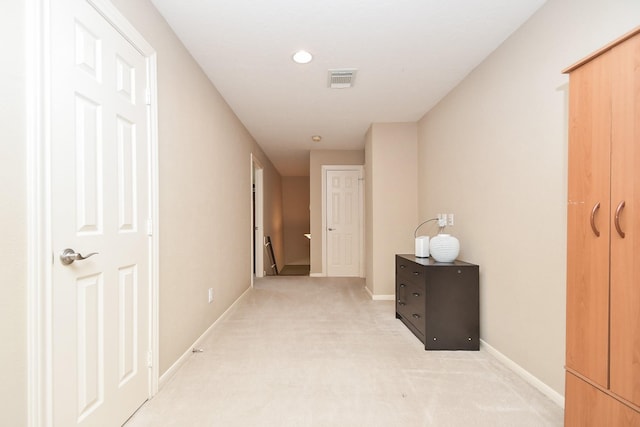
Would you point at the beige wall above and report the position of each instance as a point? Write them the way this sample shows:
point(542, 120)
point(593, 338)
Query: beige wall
point(295, 215)
point(317, 159)
point(494, 153)
point(391, 201)
point(205, 192)
point(13, 248)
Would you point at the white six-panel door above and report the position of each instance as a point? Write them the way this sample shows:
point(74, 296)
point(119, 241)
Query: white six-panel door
point(100, 203)
point(343, 221)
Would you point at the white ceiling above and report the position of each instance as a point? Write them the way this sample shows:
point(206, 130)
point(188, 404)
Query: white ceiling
point(409, 54)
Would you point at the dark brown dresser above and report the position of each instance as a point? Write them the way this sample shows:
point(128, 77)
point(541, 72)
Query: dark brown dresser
point(439, 302)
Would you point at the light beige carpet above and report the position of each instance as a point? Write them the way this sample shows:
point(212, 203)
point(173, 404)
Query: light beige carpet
point(302, 351)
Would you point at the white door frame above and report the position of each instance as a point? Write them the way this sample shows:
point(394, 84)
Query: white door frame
point(257, 235)
point(39, 221)
point(360, 169)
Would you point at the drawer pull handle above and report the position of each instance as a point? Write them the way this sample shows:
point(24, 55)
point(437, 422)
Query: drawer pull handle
point(402, 266)
point(415, 316)
point(592, 219)
point(617, 219)
point(400, 303)
point(416, 273)
point(402, 285)
point(415, 294)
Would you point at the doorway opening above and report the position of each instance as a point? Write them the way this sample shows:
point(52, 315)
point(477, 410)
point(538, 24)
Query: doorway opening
point(257, 219)
point(296, 226)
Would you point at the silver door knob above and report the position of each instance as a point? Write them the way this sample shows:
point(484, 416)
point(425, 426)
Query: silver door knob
point(69, 255)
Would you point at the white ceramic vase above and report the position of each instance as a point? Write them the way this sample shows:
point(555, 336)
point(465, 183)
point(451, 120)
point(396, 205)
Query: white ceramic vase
point(444, 248)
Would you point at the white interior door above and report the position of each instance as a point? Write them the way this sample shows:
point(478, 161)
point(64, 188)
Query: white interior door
point(100, 203)
point(343, 222)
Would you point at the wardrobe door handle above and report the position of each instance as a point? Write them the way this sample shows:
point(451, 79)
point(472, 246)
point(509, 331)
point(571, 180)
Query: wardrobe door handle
point(592, 220)
point(617, 219)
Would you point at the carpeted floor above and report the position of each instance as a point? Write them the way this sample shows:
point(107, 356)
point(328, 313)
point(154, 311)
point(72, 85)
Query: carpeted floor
point(318, 352)
point(295, 270)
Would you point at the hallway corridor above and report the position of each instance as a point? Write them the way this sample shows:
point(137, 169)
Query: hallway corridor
point(311, 352)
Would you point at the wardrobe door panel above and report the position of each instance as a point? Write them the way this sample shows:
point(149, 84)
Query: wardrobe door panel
point(625, 212)
point(588, 219)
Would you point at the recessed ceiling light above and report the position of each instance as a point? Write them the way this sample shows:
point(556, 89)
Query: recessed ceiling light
point(316, 138)
point(302, 57)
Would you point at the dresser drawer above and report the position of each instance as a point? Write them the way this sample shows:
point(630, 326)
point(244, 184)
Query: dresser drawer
point(402, 299)
point(416, 307)
point(410, 272)
point(410, 300)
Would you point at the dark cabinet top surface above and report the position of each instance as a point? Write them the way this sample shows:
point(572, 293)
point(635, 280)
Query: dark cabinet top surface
point(430, 261)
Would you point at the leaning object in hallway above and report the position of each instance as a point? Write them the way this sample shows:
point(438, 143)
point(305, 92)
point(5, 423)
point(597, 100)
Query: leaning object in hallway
point(439, 302)
point(269, 247)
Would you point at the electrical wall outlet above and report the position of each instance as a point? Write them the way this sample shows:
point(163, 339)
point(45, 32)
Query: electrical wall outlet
point(442, 220)
point(450, 219)
point(210, 295)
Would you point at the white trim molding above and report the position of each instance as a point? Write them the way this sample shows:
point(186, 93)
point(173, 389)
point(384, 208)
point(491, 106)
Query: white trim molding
point(317, 275)
point(375, 297)
point(257, 244)
point(39, 371)
point(524, 374)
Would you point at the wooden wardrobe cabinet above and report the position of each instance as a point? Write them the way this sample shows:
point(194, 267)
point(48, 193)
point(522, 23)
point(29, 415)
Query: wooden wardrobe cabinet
point(603, 237)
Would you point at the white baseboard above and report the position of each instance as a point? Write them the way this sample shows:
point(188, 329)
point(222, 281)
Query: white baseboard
point(384, 297)
point(379, 297)
point(182, 359)
point(369, 292)
point(526, 375)
point(317, 275)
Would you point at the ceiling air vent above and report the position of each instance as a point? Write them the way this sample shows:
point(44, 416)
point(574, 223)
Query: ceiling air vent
point(343, 78)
